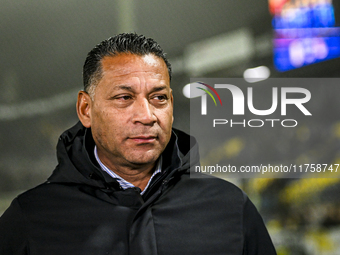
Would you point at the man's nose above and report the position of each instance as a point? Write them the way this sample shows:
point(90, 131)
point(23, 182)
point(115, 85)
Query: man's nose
point(144, 112)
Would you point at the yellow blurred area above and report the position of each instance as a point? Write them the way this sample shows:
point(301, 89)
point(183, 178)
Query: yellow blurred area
point(229, 149)
point(300, 190)
point(259, 185)
point(336, 130)
point(321, 240)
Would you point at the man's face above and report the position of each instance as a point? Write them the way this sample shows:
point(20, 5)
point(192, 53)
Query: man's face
point(131, 112)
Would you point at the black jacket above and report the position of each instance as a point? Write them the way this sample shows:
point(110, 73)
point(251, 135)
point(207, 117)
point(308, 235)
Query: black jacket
point(82, 210)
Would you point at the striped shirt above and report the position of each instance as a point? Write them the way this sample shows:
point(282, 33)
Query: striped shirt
point(123, 183)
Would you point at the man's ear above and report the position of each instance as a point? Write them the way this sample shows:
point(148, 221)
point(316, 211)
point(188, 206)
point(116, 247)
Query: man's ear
point(172, 102)
point(84, 108)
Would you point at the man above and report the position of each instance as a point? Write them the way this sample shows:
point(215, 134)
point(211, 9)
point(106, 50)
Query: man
point(122, 184)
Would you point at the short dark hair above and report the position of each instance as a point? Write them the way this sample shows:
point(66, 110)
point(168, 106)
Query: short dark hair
point(121, 43)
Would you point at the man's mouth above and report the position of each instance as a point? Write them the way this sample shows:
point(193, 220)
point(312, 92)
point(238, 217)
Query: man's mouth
point(144, 139)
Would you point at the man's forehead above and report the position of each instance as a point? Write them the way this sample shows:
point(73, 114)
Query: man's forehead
point(124, 61)
point(126, 65)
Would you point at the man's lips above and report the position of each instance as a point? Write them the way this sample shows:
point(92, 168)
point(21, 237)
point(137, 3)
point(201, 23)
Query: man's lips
point(143, 138)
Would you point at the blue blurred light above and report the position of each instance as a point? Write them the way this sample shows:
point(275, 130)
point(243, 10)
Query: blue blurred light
point(304, 33)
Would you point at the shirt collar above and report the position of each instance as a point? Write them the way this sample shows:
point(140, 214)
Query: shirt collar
point(122, 182)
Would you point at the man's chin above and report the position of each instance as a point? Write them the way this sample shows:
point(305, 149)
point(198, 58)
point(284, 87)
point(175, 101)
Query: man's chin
point(144, 159)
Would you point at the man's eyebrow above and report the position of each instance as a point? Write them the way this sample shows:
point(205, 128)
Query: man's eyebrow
point(129, 88)
point(123, 87)
point(159, 88)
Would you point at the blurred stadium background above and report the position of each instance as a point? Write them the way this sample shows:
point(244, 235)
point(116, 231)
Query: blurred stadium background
point(43, 47)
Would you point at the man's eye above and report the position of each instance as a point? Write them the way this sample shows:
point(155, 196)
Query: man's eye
point(123, 98)
point(161, 97)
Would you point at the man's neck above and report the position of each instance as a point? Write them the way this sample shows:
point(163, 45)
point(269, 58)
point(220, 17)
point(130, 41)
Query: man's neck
point(137, 175)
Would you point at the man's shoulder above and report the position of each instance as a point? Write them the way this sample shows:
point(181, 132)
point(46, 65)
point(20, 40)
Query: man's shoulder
point(210, 186)
point(45, 194)
point(217, 182)
point(31, 194)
